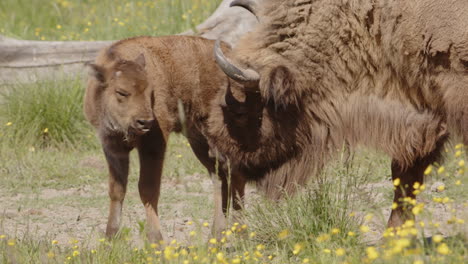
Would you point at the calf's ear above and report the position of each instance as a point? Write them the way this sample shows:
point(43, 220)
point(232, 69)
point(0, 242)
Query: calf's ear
point(140, 60)
point(98, 72)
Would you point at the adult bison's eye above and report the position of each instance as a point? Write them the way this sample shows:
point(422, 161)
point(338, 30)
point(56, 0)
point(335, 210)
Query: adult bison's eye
point(122, 93)
point(464, 62)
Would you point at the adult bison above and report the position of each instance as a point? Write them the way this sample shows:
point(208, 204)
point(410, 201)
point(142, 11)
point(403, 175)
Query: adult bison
point(317, 74)
point(142, 89)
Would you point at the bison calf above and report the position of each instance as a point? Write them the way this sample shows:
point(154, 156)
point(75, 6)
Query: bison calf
point(133, 98)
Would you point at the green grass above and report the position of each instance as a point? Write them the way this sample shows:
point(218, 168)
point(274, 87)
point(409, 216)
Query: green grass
point(100, 19)
point(44, 114)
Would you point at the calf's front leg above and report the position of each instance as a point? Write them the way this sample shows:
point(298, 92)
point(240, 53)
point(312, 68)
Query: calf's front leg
point(151, 153)
point(117, 156)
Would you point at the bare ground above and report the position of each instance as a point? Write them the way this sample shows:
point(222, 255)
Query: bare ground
point(80, 213)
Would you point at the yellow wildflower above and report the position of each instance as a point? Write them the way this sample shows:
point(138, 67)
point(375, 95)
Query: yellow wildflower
point(428, 170)
point(441, 188)
point(364, 229)
point(283, 234)
point(396, 182)
point(441, 170)
point(443, 249)
point(461, 163)
point(437, 238)
point(9, 124)
point(220, 257)
point(323, 237)
point(417, 209)
point(297, 248)
point(340, 252)
point(75, 253)
point(372, 253)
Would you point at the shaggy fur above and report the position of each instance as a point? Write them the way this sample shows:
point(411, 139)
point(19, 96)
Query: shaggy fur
point(389, 74)
point(141, 90)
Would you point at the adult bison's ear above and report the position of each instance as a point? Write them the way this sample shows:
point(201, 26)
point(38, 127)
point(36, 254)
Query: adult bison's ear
point(98, 72)
point(280, 86)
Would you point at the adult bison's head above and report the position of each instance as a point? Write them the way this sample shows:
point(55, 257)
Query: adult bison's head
point(118, 97)
point(257, 126)
point(275, 82)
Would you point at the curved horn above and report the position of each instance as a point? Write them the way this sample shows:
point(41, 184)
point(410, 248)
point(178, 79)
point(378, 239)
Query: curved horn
point(250, 5)
point(247, 77)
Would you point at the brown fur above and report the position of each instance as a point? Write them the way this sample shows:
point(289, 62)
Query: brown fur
point(392, 75)
point(132, 100)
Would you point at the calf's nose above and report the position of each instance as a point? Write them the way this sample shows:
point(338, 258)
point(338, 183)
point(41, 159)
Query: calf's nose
point(144, 124)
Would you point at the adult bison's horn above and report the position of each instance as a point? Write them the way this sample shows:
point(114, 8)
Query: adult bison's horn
point(250, 5)
point(249, 78)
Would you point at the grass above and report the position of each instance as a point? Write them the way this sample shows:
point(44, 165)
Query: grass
point(53, 175)
point(44, 114)
point(100, 19)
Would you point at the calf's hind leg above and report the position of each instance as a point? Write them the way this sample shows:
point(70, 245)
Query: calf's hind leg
point(151, 149)
point(219, 176)
point(117, 156)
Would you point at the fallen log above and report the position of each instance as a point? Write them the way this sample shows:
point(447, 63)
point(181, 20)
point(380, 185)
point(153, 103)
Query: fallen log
point(30, 61)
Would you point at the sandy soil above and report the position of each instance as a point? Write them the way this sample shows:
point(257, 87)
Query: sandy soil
point(81, 213)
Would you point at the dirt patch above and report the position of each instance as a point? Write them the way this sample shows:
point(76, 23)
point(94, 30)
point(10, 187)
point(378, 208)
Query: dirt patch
point(81, 213)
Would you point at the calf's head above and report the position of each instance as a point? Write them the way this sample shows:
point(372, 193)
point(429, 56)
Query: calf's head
point(121, 96)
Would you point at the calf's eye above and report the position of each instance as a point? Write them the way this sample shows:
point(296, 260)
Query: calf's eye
point(122, 93)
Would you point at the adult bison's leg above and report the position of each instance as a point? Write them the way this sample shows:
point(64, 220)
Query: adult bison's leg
point(238, 191)
point(151, 151)
point(408, 176)
point(118, 162)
